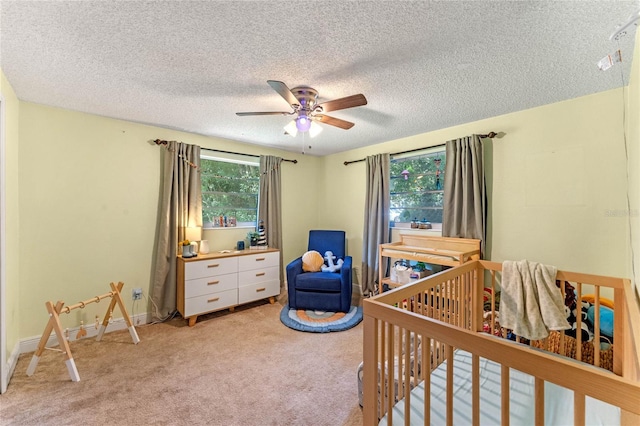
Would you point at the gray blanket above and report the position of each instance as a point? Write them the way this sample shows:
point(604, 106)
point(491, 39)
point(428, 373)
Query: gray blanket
point(531, 304)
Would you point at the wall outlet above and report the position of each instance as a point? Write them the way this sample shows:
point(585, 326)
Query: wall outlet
point(136, 294)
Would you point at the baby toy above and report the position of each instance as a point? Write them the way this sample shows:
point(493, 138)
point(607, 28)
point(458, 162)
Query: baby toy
point(333, 267)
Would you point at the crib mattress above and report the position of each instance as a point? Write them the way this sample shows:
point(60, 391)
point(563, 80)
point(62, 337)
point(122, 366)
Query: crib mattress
point(558, 400)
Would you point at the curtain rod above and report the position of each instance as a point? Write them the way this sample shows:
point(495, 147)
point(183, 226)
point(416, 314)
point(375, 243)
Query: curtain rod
point(161, 142)
point(488, 135)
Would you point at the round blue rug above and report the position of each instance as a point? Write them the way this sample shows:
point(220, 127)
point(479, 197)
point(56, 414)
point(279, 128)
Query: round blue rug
point(320, 321)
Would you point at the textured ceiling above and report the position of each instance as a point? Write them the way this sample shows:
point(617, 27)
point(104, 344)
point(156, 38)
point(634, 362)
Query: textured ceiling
point(423, 65)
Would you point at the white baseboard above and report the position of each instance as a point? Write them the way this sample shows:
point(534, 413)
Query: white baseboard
point(357, 288)
point(12, 362)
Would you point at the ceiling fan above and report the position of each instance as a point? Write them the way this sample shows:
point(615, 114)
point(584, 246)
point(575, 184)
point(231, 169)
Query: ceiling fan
point(308, 111)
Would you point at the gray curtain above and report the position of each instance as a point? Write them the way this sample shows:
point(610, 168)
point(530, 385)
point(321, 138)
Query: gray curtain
point(376, 219)
point(465, 198)
point(270, 208)
point(181, 206)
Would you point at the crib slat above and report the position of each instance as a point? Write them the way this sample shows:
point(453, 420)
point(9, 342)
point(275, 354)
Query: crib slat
point(427, 350)
point(399, 364)
point(469, 304)
point(456, 304)
point(596, 329)
point(579, 322)
point(475, 389)
point(390, 379)
point(417, 343)
point(539, 400)
point(619, 330)
point(406, 385)
point(462, 304)
point(493, 302)
point(563, 290)
point(452, 301)
point(449, 385)
point(383, 362)
point(441, 310)
point(371, 376)
point(578, 409)
point(504, 391)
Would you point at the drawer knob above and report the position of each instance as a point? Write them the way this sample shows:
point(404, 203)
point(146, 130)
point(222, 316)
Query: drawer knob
point(260, 258)
point(260, 289)
point(259, 274)
point(215, 299)
point(213, 282)
point(213, 265)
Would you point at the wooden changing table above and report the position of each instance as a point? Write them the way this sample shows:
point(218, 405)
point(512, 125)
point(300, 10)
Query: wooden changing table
point(444, 251)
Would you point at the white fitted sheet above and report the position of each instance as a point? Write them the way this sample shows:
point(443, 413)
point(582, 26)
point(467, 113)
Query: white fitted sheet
point(558, 400)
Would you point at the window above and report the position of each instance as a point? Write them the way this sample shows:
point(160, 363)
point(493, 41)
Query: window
point(230, 187)
point(417, 187)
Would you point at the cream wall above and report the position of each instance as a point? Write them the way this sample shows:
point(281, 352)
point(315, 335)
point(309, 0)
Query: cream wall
point(89, 190)
point(633, 131)
point(12, 236)
point(555, 175)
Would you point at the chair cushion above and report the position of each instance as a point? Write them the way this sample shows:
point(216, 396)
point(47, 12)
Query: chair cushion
point(318, 281)
point(312, 261)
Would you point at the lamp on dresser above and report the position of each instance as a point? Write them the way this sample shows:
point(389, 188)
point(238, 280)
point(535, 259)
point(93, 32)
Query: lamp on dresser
point(194, 235)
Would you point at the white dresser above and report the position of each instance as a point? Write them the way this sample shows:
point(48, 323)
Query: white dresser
point(215, 281)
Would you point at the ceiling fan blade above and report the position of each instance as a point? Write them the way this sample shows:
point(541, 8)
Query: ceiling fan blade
point(242, 114)
point(332, 121)
point(284, 91)
point(343, 103)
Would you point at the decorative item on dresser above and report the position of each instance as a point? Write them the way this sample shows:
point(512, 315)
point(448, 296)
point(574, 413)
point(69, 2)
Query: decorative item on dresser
point(224, 280)
point(262, 235)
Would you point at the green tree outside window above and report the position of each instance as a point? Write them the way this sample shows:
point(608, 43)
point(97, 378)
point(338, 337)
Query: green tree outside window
point(230, 189)
point(417, 187)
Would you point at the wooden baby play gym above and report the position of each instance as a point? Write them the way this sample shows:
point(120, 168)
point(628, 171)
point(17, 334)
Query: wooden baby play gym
point(54, 324)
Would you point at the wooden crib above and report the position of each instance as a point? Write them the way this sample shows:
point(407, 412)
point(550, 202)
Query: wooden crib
point(425, 353)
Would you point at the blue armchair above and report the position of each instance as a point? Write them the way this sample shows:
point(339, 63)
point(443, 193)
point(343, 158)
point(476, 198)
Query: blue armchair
point(323, 291)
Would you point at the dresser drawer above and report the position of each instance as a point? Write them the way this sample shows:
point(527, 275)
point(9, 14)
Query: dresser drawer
point(210, 267)
point(258, 291)
point(258, 260)
point(257, 276)
point(210, 302)
point(209, 285)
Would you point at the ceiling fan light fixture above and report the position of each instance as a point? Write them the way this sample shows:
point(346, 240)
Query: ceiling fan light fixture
point(291, 128)
point(303, 123)
point(303, 101)
point(314, 129)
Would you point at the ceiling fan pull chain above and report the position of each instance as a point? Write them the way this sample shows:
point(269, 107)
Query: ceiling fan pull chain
point(303, 143)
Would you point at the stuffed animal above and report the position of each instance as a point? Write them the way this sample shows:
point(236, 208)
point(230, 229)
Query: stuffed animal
point(333, 267)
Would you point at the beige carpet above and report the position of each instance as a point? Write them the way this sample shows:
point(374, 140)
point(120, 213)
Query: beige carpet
point(241, 368)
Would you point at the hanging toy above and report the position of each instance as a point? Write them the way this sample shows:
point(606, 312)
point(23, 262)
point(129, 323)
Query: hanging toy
point(97, 324)
point(82, 332)
point(437, 162)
